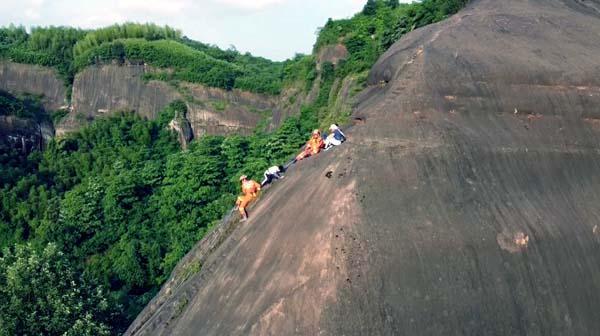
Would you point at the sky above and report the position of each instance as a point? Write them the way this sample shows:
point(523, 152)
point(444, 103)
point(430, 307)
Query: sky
point(275, 29)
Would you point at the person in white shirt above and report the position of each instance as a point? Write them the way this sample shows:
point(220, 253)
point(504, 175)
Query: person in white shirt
point(335, 138)
point(273, 173)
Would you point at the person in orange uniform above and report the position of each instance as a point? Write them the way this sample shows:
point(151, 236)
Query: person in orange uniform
point(313, 146)
point(250, 189)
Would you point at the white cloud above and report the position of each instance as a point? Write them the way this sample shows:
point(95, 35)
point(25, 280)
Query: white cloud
point(250, 4)
point(99, 20)
point(33, 9)
point(170, 7)
point(272, 28)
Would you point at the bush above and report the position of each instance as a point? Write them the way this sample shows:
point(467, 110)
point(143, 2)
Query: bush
point(24, 106)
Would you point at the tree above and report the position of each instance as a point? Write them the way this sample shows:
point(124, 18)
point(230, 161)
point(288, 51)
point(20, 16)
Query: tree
point(370, 8)
point(40, 294)
point(393, 4)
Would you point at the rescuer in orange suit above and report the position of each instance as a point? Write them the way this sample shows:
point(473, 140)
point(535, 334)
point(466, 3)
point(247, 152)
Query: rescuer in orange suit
point(250, 189)
point(313, 146)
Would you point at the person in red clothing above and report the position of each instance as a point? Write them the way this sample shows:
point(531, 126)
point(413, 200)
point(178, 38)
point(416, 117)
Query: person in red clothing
point(313, 146)
point(250, 189)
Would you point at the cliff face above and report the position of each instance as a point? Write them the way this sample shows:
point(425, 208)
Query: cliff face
point(103, 89)
point(465, 203)
point(44, 82)
point(24, 78)
point(24, 134)
point(332, 54)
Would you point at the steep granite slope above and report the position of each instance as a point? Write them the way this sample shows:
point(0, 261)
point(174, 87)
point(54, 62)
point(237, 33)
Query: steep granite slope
point(466, 203)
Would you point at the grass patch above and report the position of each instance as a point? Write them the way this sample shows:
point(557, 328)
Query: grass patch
point(59, 115)
point(220, 105)
point(191, 269)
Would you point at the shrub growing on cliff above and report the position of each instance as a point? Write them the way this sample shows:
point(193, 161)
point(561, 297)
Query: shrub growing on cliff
point(24, 106)
point(12, 35)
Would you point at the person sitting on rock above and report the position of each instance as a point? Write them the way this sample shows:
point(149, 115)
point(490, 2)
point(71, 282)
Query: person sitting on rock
point(313, 146)
point(335, 138)
point(273, 173)
point(250, 189)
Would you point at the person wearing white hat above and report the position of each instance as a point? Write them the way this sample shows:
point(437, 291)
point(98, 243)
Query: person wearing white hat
point(335, 138)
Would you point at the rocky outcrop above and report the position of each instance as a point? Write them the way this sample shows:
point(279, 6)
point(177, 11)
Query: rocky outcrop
point(332, 54)
point(32, 79)
point(291, 100)
point(465, 203)
point(24, 134)
point(182, 127)
point(342, 99)
point(103, 89)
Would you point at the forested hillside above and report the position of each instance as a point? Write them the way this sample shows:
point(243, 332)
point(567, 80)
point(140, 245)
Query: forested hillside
point(70, 50)
point(92, 226)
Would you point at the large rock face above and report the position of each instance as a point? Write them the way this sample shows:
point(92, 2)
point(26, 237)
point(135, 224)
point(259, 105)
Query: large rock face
point(25, 78)
point(104, 89)
point(332, 54)
point(466, 203)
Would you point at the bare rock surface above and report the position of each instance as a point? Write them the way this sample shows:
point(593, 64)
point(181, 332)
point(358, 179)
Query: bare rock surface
point(332, 54)
point(104, 89)
point(464, 203)
point(24, 135)
point(25, 78)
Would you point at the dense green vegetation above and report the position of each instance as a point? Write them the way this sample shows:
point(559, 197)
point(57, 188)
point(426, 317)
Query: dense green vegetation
point(91, 227)
point(148, 32)
point(27, 106)
point(41, 294)
point(51, 46)
point(69, 50)
point(184, 62)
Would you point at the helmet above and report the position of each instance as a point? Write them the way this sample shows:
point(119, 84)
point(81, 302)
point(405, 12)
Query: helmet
point(316, 132)
point(243, 177)
point(333, 127)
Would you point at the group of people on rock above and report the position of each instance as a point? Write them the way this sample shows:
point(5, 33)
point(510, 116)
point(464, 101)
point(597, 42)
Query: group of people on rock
point(316, 143)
